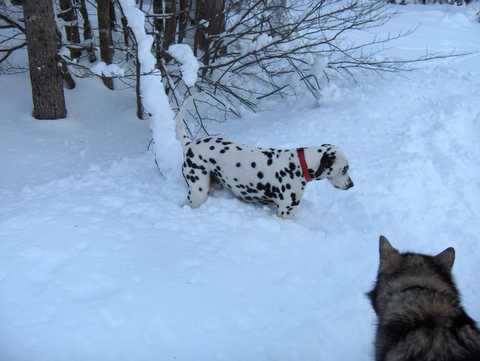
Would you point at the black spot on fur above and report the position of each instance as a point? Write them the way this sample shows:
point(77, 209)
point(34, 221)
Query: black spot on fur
point(326, 163)
point(260, 175)
point(253, 164)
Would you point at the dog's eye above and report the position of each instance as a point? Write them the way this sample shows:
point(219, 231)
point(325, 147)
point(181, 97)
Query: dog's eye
point(345, 170)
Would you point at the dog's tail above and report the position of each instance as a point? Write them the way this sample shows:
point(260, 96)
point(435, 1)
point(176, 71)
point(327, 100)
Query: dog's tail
point(181, 127)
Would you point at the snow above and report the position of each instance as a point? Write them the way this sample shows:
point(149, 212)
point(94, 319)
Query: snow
point(99, 260)
point(109, 70)
point(189, 64)
point(167, 149)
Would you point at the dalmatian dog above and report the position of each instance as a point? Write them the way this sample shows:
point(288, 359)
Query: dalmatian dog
point(263, 175)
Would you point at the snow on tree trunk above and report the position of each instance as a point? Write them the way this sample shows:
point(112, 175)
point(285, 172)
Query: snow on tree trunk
point(45, 72)
point(168, 151)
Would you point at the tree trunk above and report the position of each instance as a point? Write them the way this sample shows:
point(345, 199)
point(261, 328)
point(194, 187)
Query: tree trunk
point(87, 32)
point(213, 11)
point(69, 15)
point(45, 73)
point(183, 20)
point(105, 30)
point(170, 23)
point(68, 80)
point(165, 27)
point(113, 16)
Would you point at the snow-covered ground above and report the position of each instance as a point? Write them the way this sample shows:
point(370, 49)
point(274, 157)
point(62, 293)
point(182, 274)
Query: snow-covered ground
point(99, 261)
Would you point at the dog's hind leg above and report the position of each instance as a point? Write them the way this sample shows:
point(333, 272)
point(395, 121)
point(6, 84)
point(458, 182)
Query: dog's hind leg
point(198, 187)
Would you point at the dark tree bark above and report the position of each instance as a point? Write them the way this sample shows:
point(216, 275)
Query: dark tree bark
point(105, 30)
point(45, 73)
point(68, 80)
point(113, 16)
point(183, 20)
point(124, 22)
point(170, 23)
point(69, 15)
point(165, 27)
point(87, 32)
point(158, 27)
point(212, 11)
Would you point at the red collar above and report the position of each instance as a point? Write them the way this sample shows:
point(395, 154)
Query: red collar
point(303, 164)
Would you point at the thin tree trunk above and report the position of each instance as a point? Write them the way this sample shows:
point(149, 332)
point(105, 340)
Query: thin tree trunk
point(138, 90)
point(45, 73)
point(87, 32)
point(68, 80)
point(198, 33)
point(165, 27)
point(158, 28)
point(183, 20)
point(213, 11)
point(69, 15)
point(170, 23)
point(113, 16)
point(105, 30)
point(124, 22)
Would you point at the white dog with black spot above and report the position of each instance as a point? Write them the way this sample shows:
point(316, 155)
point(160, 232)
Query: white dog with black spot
point(268, 176)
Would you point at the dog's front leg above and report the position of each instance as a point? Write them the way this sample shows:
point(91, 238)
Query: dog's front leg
point(286, 210)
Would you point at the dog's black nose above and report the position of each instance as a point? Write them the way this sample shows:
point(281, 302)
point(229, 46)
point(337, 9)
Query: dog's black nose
point(350, 185)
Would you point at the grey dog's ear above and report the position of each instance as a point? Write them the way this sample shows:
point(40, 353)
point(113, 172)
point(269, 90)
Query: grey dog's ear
point(389, 256)
point(325, 163)
point(446, 258)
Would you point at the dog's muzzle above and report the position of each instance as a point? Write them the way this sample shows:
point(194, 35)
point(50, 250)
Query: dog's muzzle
point(350, 184)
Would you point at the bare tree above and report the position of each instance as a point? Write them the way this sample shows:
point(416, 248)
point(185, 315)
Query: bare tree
point(45, 74)
point(13, 30)
point(104, 15)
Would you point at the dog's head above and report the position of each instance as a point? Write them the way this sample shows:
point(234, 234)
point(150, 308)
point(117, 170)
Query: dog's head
point(334, 167)
point(410, 272)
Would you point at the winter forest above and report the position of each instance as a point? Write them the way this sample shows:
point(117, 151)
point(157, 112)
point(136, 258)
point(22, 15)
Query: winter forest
point(208, 179)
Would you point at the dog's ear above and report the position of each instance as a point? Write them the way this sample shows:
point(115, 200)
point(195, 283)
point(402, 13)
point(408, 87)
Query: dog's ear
point(326, 162)
point(446, 258)
point(389, 256)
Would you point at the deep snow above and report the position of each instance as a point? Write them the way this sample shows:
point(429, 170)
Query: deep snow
point(99, 260)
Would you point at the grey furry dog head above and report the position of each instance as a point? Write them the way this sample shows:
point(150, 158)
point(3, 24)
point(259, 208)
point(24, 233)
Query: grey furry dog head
point(420, 317)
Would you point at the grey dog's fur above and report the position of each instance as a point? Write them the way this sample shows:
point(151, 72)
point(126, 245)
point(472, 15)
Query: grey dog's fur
point(420, 316)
